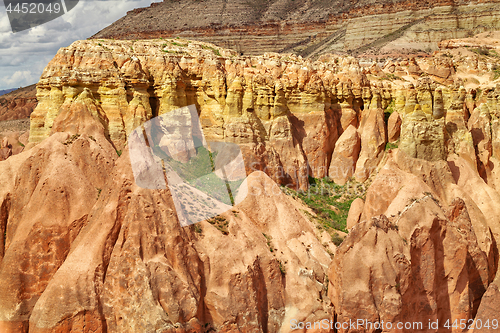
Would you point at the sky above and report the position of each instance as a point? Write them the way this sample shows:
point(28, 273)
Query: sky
point(24, 55)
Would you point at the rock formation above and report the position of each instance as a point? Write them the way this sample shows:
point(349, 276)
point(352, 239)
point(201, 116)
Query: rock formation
point(286, 113)
point(78, 227)
point(427, 248)
point(309, 28)
point(18, 104)
point(85, 249)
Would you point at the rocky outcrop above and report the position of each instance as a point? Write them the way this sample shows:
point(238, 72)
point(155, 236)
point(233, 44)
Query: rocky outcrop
point(345, 155)
point(282, 111)
point(18, 104)
point(309, 28)
point(12, 143)
point(286, 114)
point(87, 250)
point(393, 127)
point(427, 248)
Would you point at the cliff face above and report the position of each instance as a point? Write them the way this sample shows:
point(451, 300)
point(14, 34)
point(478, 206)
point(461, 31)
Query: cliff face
point(310, 28)
point(285, 113)
point(85, 249)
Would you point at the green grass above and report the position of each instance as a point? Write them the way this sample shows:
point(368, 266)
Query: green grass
point(268, 241)
point(196, 167)
point(389, 110)
point(214, 50)
point(197, 228)
point(496, 73)
point(198, 172)
point(391, 145)
point(220, 223)
point(481, 51)
point(330, 202)
point(179, 44)
point(392, 77)
point(282, 267)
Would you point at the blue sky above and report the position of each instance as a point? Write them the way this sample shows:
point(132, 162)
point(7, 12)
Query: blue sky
point(24, 55)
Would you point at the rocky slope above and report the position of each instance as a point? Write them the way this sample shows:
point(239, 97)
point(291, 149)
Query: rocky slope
point(18, 104)
point(104, 255)
point(85, 249)
point(15, 109)
point(308, 27)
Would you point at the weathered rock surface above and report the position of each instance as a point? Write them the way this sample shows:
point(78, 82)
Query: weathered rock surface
point(12, 143)
point(422, 246)
point(78, 227)
point(419, 252)
point(345, 155)
point(393, 127)
point(18, 104)
point(283, 112)
point(286, 113)
point(355, 212)
point(309, 27)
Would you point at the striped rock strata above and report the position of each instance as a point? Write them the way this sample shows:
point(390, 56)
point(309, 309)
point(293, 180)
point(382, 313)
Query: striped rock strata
point(285, 113)
point(310, 28)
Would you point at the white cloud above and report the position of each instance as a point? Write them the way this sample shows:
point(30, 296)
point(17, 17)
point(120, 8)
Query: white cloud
point(19, 78)
point(24, 55)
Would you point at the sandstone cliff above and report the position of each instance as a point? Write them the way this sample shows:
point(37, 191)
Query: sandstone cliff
point(286, 113)
point(85, 249)
point(310, 28)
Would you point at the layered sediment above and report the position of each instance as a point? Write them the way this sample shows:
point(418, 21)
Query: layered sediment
point(310, 28)
point(18, 104)
point(85, 249)
point(286, 113)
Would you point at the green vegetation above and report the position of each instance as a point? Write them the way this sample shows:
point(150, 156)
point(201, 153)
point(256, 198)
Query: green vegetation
point(220, 223)
point(269, 245)
point(71, 139)
point(119, 152)
point(198, 172)
point(19, 143)
point(330, 203)
point(99, 190)
point(391, 145)
point(337, 239)
point(197, 228)
point(214, 50)
point(179, 44)
point(104, 47)
point(482, 51)
point(388, 111)
point(392, 77)
point(282, 267)
point(496, 72)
